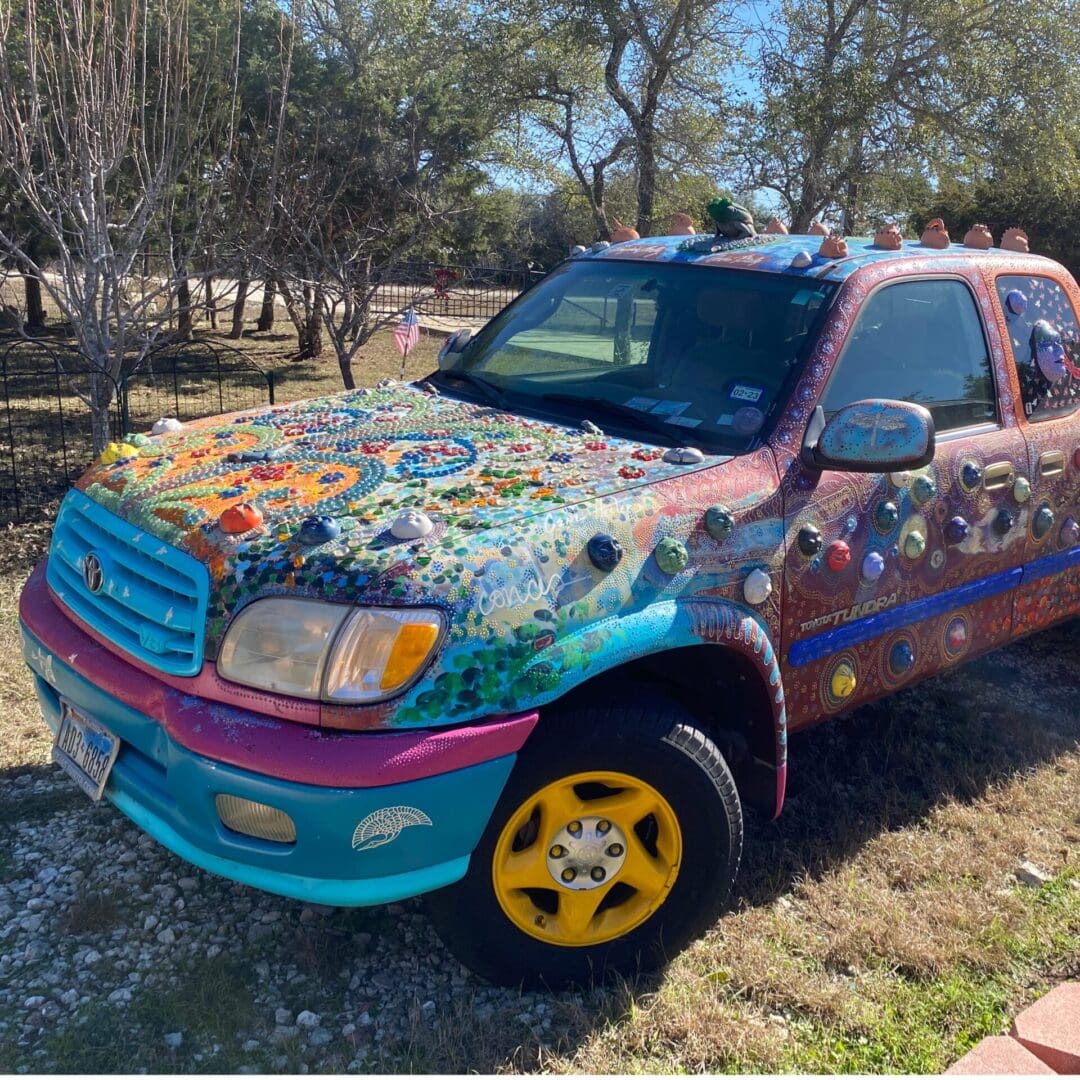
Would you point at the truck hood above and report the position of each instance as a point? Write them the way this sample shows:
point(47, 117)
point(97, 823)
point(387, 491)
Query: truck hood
point(357, 461)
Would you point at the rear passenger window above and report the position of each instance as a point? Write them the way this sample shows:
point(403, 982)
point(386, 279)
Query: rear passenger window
point(1045, 344)
point(918, 341)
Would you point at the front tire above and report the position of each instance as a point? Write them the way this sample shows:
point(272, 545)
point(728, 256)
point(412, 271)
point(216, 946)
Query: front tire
point(616, 841)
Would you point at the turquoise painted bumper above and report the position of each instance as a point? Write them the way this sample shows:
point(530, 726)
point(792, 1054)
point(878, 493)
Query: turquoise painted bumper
point(169, 791)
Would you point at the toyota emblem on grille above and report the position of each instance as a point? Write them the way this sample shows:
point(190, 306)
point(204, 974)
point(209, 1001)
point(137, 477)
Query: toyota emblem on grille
point(93, 573)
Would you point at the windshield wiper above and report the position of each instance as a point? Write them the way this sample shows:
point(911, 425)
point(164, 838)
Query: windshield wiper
point(488, 390)
point(594, 406)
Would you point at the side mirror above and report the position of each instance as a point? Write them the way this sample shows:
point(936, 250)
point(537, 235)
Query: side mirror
point(870, 436)
point(454, 344)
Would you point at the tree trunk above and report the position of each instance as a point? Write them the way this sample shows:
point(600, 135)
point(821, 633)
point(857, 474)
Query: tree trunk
point(210, 303)
point(35, 309)
point(312, 345)
point(347, 373)
point(646, 193)
point(307, 347)
point(266, 314)
point(237, 328)
point(184, 322)
point(599, 210)
point(847, 221)
point(101, 396)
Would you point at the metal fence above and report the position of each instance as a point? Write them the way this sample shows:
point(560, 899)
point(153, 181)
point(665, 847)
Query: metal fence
point(46, 434)
point(46, 390)
point(189, 380)
point(451, 292)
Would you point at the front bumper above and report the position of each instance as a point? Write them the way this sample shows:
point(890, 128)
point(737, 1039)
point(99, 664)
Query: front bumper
point(167, 786)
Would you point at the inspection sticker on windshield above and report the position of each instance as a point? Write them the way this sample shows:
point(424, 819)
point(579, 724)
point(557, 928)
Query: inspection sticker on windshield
point(672, 408)
point(682, 421)
point(746, 392)
point(642, 403)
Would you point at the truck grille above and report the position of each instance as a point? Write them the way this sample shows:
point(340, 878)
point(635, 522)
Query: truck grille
point(139, 593)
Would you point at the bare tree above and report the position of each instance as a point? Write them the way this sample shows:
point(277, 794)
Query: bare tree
point(102, 114)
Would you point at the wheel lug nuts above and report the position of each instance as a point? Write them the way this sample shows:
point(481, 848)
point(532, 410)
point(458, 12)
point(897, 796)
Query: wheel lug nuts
point(598, 873)
point(615, 850)
point(569, 874)
point(603, 827)
point(557, 852)
point(574, 828)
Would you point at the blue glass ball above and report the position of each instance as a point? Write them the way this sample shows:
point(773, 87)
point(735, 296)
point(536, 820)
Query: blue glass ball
point(901, 658)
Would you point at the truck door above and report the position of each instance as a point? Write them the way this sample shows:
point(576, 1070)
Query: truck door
point(1043, 342)
point(893, 577)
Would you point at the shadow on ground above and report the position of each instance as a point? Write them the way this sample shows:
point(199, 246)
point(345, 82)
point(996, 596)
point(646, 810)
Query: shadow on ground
point(237, 956)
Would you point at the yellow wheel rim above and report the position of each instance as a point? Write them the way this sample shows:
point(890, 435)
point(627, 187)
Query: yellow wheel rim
point(587, 858)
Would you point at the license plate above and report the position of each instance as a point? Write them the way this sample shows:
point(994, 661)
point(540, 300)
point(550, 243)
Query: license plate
point(84, 750)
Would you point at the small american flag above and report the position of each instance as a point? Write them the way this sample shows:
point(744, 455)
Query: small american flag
point(406, 335)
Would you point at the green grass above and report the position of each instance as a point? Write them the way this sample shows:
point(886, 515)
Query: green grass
point(923, 1025)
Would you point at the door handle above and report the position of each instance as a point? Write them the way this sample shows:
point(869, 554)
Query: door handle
point(999, 475)
point(1051, 463)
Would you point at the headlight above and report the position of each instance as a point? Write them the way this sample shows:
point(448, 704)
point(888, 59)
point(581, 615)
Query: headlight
point(332, 652)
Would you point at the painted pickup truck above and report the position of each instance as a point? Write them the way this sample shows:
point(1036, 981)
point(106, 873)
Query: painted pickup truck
point(529, 635)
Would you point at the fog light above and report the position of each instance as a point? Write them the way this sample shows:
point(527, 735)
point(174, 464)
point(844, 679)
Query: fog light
point(255, 819)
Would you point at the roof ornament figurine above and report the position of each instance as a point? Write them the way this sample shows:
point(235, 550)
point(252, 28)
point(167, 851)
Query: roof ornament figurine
point(733, 222)
point(165, 425)
point(1015, 240)
point(888, 237)
point(621, 233)
point(682, 225)
point(935, 235)
point(802, 260)
point(834, 246)
point(817, 228)
point(776, 227)
point(980, 237)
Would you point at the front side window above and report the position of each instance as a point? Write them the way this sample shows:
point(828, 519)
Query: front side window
point(688, 355)
point(919, 341)
point(1045, 344)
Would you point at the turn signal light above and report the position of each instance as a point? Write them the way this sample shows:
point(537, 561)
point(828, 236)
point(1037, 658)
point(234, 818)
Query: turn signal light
point(255, 819)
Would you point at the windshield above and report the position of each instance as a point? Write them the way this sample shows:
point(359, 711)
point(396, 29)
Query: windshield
point(668, 353)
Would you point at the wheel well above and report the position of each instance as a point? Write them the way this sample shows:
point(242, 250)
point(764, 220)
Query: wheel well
point(724, 692)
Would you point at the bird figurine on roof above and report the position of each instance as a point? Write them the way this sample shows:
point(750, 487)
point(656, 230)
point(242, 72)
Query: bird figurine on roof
point(733, 222)
point(621, 233)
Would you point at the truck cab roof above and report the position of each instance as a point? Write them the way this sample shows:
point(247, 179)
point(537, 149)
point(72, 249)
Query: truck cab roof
point(776, 254)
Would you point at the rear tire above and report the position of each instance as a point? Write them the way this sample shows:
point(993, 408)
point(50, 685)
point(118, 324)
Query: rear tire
point(615, 842)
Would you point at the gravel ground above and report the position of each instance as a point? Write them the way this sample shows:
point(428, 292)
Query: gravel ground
point(107, 940)
point(116, 956)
